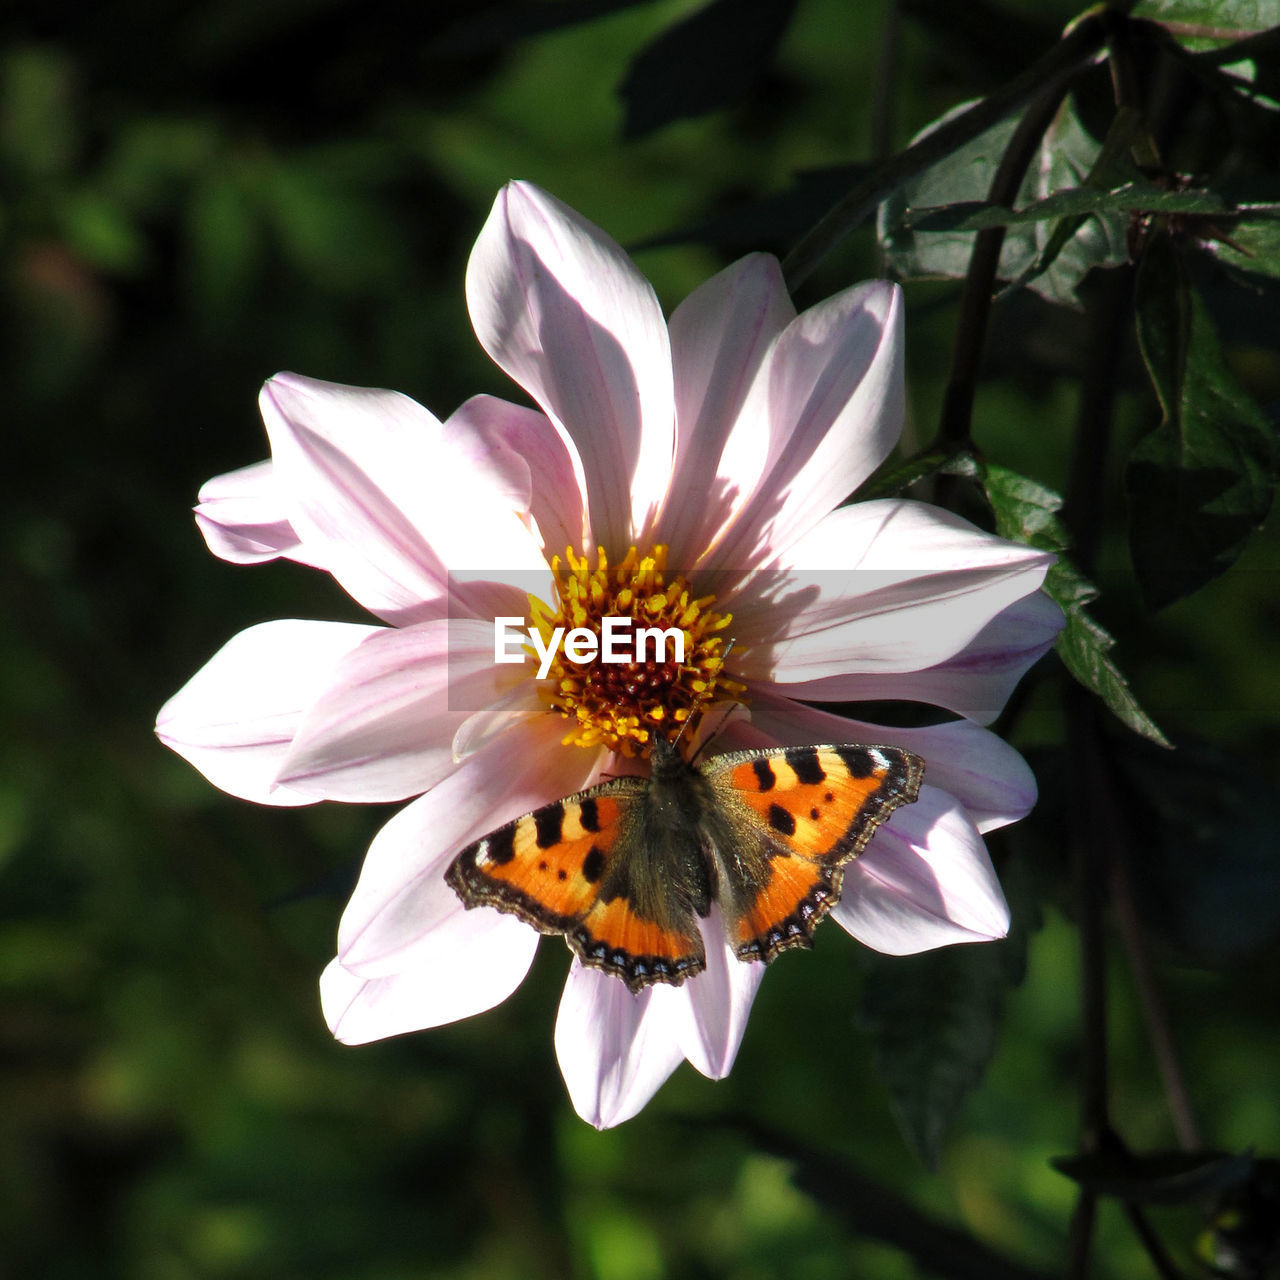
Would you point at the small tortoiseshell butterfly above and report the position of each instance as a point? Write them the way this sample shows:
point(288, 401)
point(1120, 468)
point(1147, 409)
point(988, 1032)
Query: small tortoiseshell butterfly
point(623, 868)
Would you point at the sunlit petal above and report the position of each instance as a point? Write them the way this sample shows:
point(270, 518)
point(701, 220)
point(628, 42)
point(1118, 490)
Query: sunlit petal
point(615, 1049)
point(563, 311)
point(924, 881)
point(237, 716)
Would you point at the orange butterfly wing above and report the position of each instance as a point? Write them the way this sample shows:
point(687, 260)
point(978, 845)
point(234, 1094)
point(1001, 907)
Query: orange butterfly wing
point(798, 815)
point(568, 868)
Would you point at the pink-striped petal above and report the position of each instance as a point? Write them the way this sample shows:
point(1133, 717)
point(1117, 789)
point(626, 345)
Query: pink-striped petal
point(976, 682)
point(235, 718)
point(468, 964)
point(888, 586)
point(615, 1049)
point(717, 1002)
point(993, 782)
point(401, 894)
point(384, 729)
point(720, 335)
point(924, 881)
point(370, 485)
point(563, 311)
point(824, 412)
point(534, 454)
point(242, 517)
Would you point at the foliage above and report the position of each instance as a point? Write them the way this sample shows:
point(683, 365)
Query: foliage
point(194, 198)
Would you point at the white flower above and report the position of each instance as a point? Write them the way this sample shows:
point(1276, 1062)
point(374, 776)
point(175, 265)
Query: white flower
point(727, 437)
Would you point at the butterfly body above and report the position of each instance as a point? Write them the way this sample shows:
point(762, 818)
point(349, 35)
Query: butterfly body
point(625, 869)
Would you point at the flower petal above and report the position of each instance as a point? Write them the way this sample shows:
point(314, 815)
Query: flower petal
point(720, 335)
point(993, 782)
point(824, 412)
point(469, 963)
point(242, 517)
point(525, 439)
point(235, 718)
point(886, 586)
point(401, 894)
point(384, 728)
point(563, 311)
point(716, 1003)
point(924, 881)
point(615, 1049)
point(976, 682)
point(371, 487)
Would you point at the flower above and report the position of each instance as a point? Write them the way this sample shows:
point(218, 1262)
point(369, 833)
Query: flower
point(721, 446)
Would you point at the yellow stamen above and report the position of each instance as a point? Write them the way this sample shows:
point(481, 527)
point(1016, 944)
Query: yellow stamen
point(621, 705)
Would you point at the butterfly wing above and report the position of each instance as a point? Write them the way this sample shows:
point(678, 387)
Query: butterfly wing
point(795, 816)
point(575, 867)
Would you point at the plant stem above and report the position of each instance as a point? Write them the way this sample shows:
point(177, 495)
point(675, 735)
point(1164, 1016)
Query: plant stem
point(1080, 1235)
point(1153, 1010)
point(979, 284)
point(1092, 838)
point(1110, 311)
point(1164, 1265)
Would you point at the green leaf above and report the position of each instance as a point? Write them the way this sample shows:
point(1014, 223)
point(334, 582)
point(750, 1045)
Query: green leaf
point(1253, 247)
point(934, 1017)
point(1202, 481)
point(1027, 512)
point(1212, 19)
point(1084, 646)
point(707, 60)
point(1073, 202)
point(1166, 1177)
point(1067, 156)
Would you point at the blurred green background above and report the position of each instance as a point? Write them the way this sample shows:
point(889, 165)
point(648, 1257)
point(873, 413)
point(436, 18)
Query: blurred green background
point(195, 197)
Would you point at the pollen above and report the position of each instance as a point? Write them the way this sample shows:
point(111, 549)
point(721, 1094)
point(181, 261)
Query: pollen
point(622, 705)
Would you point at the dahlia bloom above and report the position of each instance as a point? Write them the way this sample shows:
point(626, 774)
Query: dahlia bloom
point(691, 470)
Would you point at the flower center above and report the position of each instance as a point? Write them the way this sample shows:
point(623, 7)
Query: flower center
point(621, 703)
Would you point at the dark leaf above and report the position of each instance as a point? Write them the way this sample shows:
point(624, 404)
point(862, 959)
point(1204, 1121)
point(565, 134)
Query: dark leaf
point(1028, 512)
point(1168, 1177)
point(1068, 156)
point(485, 29)
point(708, 60)
point(1254, 66)
point(1243, 74)
point(771, 220)
point(934, 1017)
point(1201, 482)
point(1208, 856)
point(984, 40)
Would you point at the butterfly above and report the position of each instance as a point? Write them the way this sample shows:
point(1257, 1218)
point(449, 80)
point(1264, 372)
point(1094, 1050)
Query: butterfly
point(624, 869)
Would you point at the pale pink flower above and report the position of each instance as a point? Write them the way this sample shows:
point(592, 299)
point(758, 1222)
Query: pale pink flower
point(730, 435)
